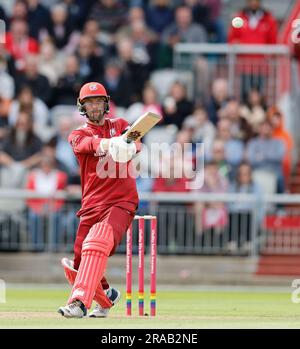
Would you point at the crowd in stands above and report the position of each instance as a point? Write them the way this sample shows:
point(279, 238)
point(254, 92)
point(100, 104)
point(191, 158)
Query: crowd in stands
point(53, 47)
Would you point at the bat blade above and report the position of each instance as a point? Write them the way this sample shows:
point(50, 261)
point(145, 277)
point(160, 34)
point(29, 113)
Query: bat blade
point(141, 126)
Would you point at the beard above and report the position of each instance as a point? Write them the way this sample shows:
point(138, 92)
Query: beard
point(96, 115)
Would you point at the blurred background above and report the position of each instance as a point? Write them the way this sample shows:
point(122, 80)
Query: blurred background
point(237, 90)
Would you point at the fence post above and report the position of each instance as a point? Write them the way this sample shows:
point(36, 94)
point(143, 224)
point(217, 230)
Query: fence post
point(254, 232)
point(231, 71)
point(50, 227)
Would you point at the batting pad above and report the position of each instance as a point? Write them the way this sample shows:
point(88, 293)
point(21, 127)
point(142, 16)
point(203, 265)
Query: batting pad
point(95, 251)
point(71, 273)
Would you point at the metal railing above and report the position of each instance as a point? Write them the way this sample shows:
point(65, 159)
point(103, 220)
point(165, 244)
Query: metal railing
point(266, 67)
point(211, 224)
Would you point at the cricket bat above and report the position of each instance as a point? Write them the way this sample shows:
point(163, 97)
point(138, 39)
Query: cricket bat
point(141, 126)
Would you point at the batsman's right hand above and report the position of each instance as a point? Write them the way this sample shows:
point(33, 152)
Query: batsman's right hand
point(120, 150)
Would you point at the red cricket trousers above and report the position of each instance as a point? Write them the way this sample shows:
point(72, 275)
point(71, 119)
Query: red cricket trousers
point(118, 217)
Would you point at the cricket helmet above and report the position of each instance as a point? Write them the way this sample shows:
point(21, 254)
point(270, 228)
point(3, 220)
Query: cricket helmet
point(92, 89)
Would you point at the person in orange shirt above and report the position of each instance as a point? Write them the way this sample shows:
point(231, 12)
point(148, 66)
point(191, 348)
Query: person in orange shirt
point(275, 116)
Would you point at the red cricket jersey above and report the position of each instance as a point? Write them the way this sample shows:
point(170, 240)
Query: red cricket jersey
point(97, 192)
point(264, 33)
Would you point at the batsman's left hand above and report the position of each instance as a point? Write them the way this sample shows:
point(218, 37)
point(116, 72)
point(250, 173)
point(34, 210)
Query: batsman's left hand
point(120, 150)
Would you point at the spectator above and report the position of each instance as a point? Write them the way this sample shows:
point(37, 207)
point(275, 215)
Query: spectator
point(266, 153)
point(219, 158)
point(61, 28)
point(74, 188)
point(170, 184)
point(216, 28)
point(218, 100)
point(241, 212)
point(49, 150)
point(149, 103)
point(171, 177)
point(159, 15)
point(174, 181)
point(7, 89)
point(38, 19)
point(177, 106)
point(240, 129)
point(244, 183)
point(45, 180)
point(259, 27)
point(279, 132)
point(135, 68)
point(203, 130)
point(254, 110)
point(214, 181)
point(77, 12)
point(19, 44)
point(211, 217)
point(19, 11)
point(20, 151)
point(50, 62)
point(38, 83)
point(135, 14)
point(9, 61)
point(234, 148)
point(31, 105)
point(90, 65)
point(69, 84)
point(200, 12)
point(143, 38)
point(111, 14)
point(118, 84)
point(175, 161)
point(182, 30)
point(64, 153)
point(183, 152)
point(103, 47)
point(146, 45)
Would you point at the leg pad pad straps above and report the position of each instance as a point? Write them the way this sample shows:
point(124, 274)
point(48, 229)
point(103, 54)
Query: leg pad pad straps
point(95, 251)
point(71, 273)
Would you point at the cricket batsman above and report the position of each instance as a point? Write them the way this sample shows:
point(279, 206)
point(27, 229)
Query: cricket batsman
point(108, 203)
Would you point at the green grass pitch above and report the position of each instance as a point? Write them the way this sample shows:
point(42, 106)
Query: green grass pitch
point(176, 308)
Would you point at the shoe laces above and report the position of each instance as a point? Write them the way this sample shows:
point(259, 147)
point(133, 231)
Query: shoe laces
point(75, 304)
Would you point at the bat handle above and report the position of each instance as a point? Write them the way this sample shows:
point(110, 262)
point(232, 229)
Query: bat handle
point(128, 140)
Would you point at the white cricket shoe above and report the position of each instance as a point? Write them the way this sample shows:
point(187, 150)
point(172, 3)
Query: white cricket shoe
point(114, 295)
point(75, 309)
